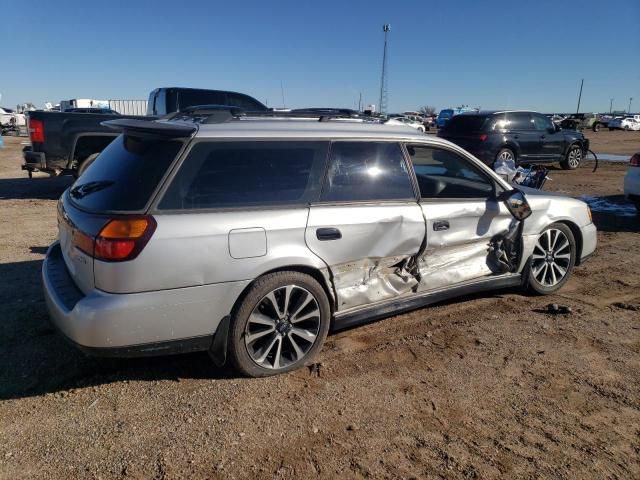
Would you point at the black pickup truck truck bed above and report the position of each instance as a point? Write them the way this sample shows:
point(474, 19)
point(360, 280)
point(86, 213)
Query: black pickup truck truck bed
point(60, 142)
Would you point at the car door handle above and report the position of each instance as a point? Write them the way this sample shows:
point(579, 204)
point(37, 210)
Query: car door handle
point(440, 225)
point(324, 234)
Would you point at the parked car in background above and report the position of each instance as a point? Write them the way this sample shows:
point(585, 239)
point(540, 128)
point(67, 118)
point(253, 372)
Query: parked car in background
point(410, 122)
point(445, 115)
point(521, 136)
point(632, 122)
point(632, 181)
point(65, 143)
point(249, 238)
point(582, 121)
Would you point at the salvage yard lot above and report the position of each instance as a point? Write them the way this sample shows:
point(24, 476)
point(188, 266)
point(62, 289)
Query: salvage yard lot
point(479, 387)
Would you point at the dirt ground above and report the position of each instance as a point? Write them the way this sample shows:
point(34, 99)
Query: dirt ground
point(482, 387)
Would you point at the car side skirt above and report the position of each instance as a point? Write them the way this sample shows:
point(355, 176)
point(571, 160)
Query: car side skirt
point(381, 310)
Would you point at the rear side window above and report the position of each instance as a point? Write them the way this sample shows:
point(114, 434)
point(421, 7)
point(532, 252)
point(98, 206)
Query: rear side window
point(125, 174)
point(362, 171)
point(239, 174)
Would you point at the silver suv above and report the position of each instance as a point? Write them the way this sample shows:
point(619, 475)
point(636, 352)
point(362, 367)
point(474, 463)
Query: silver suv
point(252, 238)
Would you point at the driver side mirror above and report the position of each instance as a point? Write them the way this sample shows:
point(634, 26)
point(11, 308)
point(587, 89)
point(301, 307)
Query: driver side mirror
point(517, 203)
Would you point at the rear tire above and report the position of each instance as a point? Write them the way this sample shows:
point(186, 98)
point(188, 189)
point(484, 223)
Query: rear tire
point(267, 340)
point(611, 129)
point(573, 159)
point(505, 154)
point(87, 162)
point(552, 261)
point(596, 127)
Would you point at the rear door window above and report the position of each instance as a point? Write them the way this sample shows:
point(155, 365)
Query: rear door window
point(366, 171)
point(243, 174)
point(125, 174)
point(519, 121)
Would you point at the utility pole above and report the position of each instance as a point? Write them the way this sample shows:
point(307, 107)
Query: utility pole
point(382, 104)
point(611, 106)
point(580, 96)
point(630, 98)
point(360, 102)
point(284, 105)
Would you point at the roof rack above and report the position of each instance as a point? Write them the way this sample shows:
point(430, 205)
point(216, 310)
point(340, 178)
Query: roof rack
point(211, 114)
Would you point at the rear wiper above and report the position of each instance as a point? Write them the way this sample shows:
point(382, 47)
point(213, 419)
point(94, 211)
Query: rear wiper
point(86, 188)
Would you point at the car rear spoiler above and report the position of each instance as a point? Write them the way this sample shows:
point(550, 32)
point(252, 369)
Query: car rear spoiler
point(149, 127)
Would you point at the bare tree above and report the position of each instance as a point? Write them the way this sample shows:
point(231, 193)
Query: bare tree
point(427, 110)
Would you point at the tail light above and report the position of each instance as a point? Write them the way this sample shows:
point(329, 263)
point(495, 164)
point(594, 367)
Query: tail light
point(119, 240)
point(635, 160)
point(483, 137)
point(36, 130)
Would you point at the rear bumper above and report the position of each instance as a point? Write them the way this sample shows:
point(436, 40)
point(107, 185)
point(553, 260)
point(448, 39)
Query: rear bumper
point(589, 241)
point(136, 324)
point(34, 161)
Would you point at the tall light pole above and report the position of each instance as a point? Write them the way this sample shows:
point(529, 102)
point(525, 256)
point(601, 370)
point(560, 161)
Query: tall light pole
point(580, 96)
point(611, 106)
point(382, 104)
point(629, 110)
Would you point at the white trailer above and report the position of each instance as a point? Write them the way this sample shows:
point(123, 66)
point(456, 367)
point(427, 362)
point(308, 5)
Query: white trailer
point(129, 107)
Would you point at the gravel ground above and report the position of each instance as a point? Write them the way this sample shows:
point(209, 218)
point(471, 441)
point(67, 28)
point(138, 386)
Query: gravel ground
point(482, 387)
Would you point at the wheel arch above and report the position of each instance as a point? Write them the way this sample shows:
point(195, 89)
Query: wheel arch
point(577, 235)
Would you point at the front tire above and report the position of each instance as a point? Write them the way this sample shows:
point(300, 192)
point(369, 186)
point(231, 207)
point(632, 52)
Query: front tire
point(553, 259)
point(280, 324)
point(596, 127)
point(573, 158)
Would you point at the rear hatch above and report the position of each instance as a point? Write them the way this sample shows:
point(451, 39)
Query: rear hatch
point(118, 187)
point(467, 131)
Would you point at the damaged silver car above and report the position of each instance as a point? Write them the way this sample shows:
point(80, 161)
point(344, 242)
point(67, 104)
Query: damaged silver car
point(252, 237)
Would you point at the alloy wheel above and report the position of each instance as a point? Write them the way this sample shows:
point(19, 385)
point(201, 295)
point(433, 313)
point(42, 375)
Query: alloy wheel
point(283, 327)
point(575, 157)
point(551, 257)
point(505, 155)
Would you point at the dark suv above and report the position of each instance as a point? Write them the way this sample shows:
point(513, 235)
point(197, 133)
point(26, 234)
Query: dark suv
point(526, 137)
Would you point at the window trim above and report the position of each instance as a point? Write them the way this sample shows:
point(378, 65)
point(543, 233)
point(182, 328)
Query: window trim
point(395, 201)
point(166, 182)
point(491, 180)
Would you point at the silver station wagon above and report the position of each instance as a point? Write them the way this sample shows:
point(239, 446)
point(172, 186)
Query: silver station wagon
point(252, 237)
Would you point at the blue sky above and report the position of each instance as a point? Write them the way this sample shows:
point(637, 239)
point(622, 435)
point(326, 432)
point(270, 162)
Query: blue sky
point(493, 54)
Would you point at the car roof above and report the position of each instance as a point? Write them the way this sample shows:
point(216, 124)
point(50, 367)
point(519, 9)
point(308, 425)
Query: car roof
point(288, 128)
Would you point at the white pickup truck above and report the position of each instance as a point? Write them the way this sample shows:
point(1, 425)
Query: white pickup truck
point(11, 121)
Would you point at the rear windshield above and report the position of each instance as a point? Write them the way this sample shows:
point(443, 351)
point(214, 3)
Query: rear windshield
point(466, 123)
point(125, 174)
point(445, 113)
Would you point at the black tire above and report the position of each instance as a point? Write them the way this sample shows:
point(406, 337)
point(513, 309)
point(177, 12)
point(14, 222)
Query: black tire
point(256, 298)
point(596, 127)
point(533, 283)
point(573, 158)
point(611, 129)
point(86, 163)
point(626, 128)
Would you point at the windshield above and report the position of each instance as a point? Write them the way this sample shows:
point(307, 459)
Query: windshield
point(125, 174)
